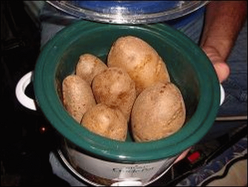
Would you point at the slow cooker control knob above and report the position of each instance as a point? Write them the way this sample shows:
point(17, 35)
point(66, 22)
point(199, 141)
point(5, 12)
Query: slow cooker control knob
point(128, 182)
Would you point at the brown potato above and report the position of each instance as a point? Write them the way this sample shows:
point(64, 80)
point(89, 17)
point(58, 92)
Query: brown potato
point(106, 121)
point(116, 89)
point(140, 60)
point(77, 96)
point(89, 66)
point(158, 112)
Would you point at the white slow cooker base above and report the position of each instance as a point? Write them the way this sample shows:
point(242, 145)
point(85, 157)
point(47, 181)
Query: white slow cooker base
point(72, 176)
point(62, 172)
point(62, 168)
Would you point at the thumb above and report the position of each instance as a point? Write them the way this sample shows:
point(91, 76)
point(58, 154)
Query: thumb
point(221, 67)
point(222, 70)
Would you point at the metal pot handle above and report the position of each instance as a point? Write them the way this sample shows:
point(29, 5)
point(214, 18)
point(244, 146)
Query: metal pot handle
point(20, 92)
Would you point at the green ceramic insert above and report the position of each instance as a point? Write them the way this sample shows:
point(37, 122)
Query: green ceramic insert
point(189, 68)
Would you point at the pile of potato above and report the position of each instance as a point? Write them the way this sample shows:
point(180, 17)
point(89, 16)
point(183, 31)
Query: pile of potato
point(132, 89)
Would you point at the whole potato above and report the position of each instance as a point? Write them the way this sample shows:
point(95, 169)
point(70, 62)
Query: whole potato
point(140, 60)
point(158, 112)
point(77, 96)
point(106, 121)
point(89, 66)
point(115, 88)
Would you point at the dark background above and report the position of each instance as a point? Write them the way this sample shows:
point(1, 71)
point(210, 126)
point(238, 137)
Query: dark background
point(24, 146)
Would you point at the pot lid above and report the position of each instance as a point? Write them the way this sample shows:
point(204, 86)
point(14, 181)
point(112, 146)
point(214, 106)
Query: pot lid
point(127, 12)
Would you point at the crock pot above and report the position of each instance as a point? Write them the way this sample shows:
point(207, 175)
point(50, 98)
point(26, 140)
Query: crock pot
point(102, 161)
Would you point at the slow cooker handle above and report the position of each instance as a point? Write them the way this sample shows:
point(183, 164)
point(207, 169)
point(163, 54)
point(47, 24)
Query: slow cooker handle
point(20, 92)
point(30, 103)
point(222, 94)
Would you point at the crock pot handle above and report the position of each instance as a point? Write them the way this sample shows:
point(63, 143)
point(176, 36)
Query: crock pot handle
point(20, 92)
point(222, 94)
point(30, 103)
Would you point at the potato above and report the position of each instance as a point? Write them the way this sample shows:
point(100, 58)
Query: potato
point(89, 66)
point(116, 89)
point(140, 60)
point(77, 96)
point(106, 121)
point(158, 112)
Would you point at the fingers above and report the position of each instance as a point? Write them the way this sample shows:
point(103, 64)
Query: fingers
point(221, 67)
point(182, 156)
point(222, 71)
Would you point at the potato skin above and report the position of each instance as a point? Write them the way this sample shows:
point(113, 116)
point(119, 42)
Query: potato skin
point(77, 96)
point(89, 66)
point(158, 112)
point(140, 60)
point(116, 89)
point(106, 121)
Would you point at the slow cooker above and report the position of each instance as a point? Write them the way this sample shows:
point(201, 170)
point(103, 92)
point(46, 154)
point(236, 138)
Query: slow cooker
point(101, 161)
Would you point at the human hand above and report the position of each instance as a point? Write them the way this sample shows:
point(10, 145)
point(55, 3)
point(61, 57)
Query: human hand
point(182, 155)
point(222, 71)
point(221, 67)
